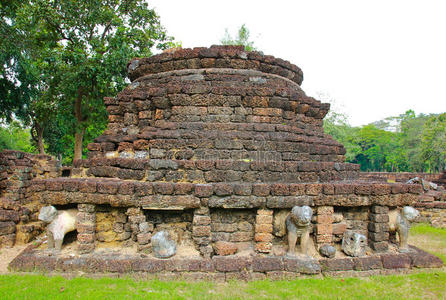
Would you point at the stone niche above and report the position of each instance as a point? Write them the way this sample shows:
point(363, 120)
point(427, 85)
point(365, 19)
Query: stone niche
point(216, 146)
point(177, 223)
point(235, 226)
point(350, 218)
point(112, 226)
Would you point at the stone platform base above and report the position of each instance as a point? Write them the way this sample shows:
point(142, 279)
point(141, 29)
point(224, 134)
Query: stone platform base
point(220, 268)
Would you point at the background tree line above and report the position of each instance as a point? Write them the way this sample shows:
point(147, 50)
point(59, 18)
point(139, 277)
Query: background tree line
point(406, 143)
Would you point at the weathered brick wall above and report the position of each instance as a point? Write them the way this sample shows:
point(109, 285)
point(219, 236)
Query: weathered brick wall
point(349, 218)
point(236, 226)
point(18, 215)
point(112, 225)
point(203, 171)
point(432, 206)
point(214, 144)
point(398, 177)
point(356, 218)
point(436, 216)
point(240, 213)
point(442, 180)
point(433, 212)
point(431, 203)
point(229, 115)
point(232, 57)
point(177, 223)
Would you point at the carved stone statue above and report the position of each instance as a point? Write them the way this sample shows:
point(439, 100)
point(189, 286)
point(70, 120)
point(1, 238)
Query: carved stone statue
point(327, 251)
point(162, 245)
point(60, 223)
point(353, 243)
point(298, 223)
point(427, 185)
point(399, 222)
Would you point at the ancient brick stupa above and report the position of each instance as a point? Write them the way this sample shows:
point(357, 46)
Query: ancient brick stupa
point(216, 145)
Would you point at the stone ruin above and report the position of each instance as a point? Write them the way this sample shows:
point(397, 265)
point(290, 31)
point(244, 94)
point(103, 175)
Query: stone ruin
point(212, 148)
point(432, 201)
point(18, 215)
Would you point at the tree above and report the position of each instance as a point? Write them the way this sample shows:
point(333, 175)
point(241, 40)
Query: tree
point(433, 145)
point(241, 39)
point(83, 49)
point(15, 137)
point(20, 86)
point(9, 66)
point(411, 128)
point(405, 143)
point(336, 125)
point(381, 150)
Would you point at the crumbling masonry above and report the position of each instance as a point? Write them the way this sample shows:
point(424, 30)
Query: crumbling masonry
point(214, 145)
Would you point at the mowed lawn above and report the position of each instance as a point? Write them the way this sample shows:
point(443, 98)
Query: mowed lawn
point(430, 284)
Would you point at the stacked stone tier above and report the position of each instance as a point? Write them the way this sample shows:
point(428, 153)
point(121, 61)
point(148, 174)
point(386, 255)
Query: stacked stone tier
point(219, 141)
point(213, 88)
point(233, 57)
point(180, 196)
point(203, 171)
point(216, 113)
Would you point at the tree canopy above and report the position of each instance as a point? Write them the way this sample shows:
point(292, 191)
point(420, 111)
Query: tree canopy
point(406, 143)
point(68, 56)
point(242, 38)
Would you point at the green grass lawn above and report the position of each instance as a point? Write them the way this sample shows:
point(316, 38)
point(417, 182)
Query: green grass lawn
point(427, 284)
point(431, 239)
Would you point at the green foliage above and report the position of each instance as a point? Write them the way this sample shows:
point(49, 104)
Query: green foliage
point(59, 142)
point(242, 38)
point(380, 149)
point(18, 84)
point(411, 129)
point(433, 143)
point(406, 143)
point(66, 56)
point(336, 125)
point(15, 137)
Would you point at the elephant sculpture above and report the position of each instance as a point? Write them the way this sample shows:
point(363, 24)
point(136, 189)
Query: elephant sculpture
point(298, 223)
point(399, 222)
point(59, 224)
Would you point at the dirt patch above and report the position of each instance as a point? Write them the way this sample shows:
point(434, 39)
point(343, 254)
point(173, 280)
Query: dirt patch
point(7, 255)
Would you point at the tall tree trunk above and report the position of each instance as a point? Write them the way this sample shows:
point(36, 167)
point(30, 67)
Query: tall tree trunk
point(37, 136)
point(78, 139)
point(79, 134)
point(40, 145)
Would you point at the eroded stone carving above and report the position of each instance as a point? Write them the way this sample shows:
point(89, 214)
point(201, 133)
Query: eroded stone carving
point(327, 251)
point(354, 243)
point(298, 223)
point(60, 223)
point(427, 185)
point(163, 246)
point(399, 222)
